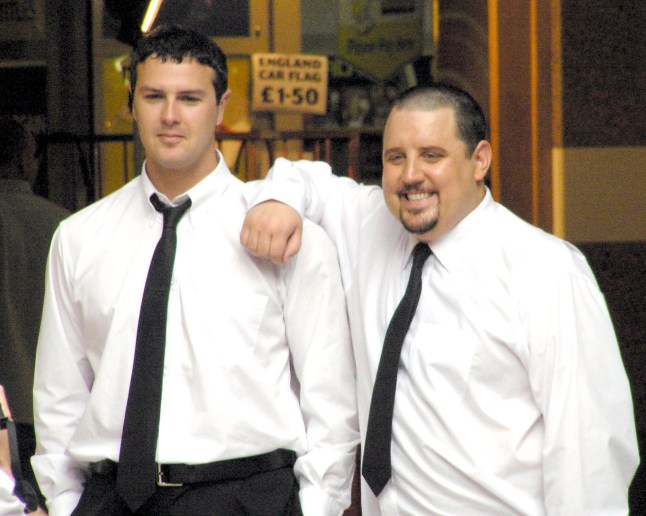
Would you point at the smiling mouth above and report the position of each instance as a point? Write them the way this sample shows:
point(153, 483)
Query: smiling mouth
point(419, 196)
point(416, 196)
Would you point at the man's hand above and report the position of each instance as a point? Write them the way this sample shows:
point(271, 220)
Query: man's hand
point(272, 230)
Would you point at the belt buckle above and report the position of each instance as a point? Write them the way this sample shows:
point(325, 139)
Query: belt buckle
point(160, 478)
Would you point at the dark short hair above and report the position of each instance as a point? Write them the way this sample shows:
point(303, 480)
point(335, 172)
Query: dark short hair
point(471, 122)
point(175, 43)
point(13, 137)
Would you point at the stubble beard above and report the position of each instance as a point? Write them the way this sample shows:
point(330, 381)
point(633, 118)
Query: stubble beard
point(418, 223)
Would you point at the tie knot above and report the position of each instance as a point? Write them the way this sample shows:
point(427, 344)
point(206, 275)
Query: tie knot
point(420, 254)
point(172, 214)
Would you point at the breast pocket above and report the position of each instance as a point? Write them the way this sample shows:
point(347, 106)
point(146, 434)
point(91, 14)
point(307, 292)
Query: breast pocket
point(441, 357)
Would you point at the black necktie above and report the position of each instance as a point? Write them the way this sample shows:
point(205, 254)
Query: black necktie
point(376, 454)
point(137, 470)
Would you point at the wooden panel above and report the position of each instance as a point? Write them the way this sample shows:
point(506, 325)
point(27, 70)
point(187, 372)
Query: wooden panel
point(514, 106)
point(521, 86)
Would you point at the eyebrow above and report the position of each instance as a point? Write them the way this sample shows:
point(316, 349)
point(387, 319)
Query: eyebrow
point(436, 149)
point(429, 148)
point(151, 89)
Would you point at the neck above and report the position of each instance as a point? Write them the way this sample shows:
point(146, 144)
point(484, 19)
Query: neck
point(175, 182)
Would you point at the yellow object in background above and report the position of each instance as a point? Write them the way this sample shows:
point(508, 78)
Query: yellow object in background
point(117, 120)
point(236, 116)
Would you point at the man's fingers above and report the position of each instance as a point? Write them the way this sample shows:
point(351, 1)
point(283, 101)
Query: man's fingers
point(293, 245)
point(244, 234)
point(263, 245)
point(249, 238)
point(272, 230)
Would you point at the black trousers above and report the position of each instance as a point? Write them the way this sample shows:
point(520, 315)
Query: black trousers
point(272, 493)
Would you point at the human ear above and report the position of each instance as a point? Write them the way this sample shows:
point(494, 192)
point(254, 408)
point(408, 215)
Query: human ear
point(481, 158)
point(222, 105)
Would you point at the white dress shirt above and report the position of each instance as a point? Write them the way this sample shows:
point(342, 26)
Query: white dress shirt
point(258, 357)
point(10, 505)
point(512, 396)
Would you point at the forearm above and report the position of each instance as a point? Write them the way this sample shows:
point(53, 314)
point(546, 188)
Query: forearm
point(299, 184)
point(62, 380)
point(60, 480)
point(57, 409)
point(338, 204)
point(590, 450)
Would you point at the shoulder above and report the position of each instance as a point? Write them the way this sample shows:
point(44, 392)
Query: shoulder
point(317, 252)
point(119, 201)
point(315, 241)
point(535, 252)
point(100, 218)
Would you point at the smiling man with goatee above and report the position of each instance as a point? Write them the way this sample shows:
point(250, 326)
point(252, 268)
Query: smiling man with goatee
point(489, 378)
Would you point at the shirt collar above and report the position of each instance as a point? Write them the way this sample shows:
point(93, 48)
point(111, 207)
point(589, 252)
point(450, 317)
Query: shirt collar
point(460, 244)
point(409, 245)
point(213, 185)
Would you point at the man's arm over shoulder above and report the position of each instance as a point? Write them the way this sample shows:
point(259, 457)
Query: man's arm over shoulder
point(277, 205)
point(61, 386)
point(294, 183)
point(319, 340)
point(337, 203)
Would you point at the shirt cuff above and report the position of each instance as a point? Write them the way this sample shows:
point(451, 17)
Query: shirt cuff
point(64, 503)
point(316, 502)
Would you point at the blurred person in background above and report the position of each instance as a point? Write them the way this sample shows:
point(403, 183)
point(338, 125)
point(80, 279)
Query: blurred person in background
point(27, 223)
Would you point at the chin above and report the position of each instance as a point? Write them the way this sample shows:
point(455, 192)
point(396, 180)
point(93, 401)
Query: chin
point(418, 225)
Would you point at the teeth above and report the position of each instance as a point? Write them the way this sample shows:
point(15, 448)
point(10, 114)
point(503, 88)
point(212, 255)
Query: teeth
point(417, 196)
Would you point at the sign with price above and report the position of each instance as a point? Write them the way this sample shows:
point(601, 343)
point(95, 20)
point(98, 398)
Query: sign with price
point(289, 82)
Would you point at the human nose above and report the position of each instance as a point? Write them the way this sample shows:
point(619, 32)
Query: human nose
point(411, 173)
point(170, 114)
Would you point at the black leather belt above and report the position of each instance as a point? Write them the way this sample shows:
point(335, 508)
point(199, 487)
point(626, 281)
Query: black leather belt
point(176, 475)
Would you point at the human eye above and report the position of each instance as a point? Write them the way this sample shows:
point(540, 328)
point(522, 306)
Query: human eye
point(152, 95)
point(394, 157)
point(190, 98)
point(431, 155)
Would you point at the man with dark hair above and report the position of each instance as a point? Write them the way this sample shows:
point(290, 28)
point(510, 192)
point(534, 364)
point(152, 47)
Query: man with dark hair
point(27, 223)
point(497, 387)
point(201, 380)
